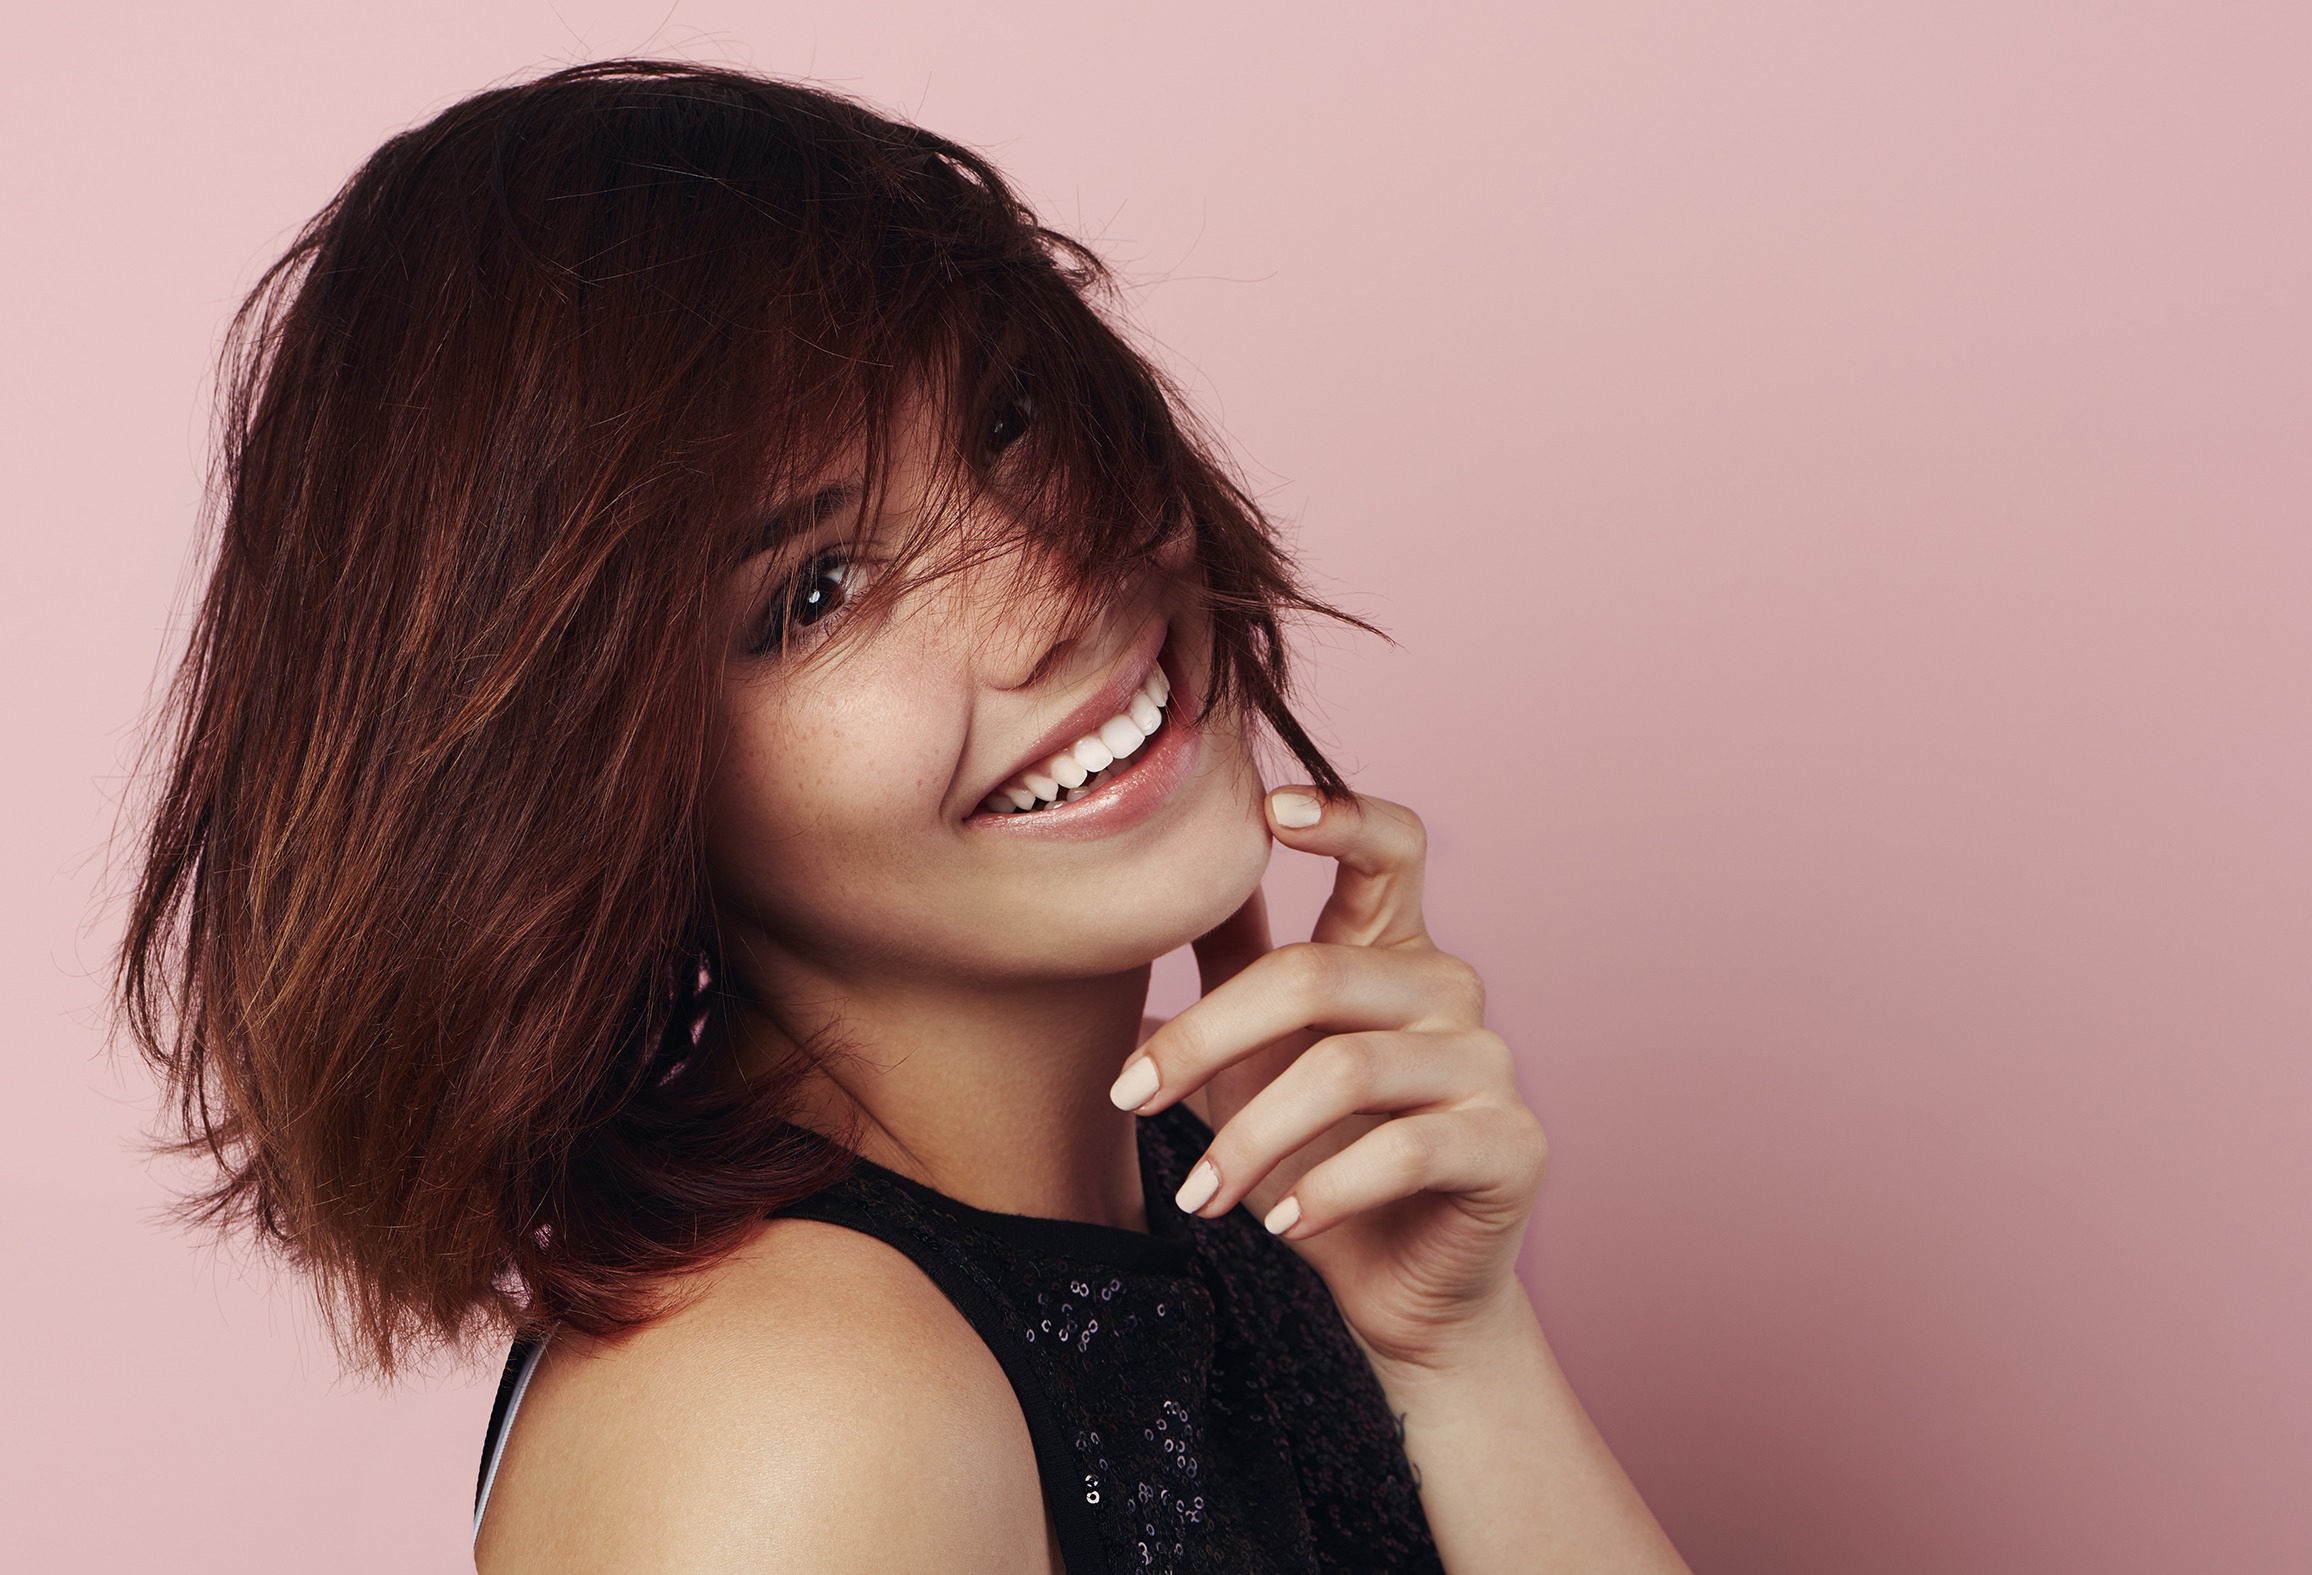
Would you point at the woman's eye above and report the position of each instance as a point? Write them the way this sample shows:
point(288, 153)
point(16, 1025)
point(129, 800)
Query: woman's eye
point(1008, 422)
point(812, 596)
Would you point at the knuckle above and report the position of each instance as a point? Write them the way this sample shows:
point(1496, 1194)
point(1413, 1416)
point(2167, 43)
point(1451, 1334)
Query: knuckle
point(1350, 1064)
point(1238, 1145)
point(1179, 1046)
point(1320, 1192)
point(1193, 1049)
point(1530, 1143)
point(1306, 970)
point(1494, 1055)
point(1411, 833)
point(1462, 985)
point(1415, 1145)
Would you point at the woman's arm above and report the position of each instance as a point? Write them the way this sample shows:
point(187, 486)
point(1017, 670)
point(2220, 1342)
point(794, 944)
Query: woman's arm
point(1513, 1476)
point(1363, 1109)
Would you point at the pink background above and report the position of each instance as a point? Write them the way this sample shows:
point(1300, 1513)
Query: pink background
point(1839, 476)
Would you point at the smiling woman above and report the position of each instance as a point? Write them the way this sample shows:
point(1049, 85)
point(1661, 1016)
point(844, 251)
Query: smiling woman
point(721, 672)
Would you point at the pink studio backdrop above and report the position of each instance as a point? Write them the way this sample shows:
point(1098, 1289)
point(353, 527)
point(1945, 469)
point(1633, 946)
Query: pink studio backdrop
point(1838, 476)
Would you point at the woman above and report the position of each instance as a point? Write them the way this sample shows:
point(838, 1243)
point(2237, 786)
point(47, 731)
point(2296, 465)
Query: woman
point(720, 673)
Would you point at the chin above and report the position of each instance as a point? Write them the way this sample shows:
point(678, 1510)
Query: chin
point(1197, 878)
point(1170, 919)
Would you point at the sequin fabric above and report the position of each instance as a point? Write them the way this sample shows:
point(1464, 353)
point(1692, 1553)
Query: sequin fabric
point(1196, 1402)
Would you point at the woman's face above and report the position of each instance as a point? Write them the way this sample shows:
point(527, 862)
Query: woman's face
point(852, 822)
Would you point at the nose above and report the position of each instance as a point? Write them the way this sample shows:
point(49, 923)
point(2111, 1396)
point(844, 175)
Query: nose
point(1027, 630)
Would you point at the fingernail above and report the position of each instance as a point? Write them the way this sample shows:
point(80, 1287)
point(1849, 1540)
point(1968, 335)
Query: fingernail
point(1295, 810)
point(1137, 1086)
point(1283, 1217)
point(1198, 1189)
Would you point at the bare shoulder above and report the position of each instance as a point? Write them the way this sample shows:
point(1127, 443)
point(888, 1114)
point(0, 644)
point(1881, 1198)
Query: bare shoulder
point(819, 1405)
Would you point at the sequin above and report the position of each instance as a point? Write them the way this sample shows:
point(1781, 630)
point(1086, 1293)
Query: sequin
point(1219, 1415)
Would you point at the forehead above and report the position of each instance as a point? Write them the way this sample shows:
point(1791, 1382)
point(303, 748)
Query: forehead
point(902, 469)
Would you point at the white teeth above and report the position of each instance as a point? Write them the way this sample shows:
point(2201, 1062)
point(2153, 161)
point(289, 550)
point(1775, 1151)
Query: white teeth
point(1120, 736)
point(1063, 779)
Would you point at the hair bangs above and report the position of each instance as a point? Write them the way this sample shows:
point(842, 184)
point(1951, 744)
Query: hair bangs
point(423, 941)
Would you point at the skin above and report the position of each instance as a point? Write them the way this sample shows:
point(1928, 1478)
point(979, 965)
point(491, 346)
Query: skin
point(972, 995)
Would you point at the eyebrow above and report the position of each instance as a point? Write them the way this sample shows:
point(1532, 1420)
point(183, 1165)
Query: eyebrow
point(796, 516)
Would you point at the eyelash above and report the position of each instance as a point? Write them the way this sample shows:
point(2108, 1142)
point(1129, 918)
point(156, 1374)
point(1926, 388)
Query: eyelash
point(1009, 422)
point(776, 626)
point(781, 626)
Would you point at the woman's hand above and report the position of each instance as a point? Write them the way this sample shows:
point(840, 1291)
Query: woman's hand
point(1358, 1102)
point(1359, 1106)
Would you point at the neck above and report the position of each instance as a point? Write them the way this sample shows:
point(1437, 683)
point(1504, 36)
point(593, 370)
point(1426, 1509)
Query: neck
point(996, 1095)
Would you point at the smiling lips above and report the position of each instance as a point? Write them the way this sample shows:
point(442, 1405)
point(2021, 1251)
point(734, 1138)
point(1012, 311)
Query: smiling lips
point(1076, 770)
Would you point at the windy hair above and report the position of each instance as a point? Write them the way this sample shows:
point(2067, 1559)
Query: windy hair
point(422, 942)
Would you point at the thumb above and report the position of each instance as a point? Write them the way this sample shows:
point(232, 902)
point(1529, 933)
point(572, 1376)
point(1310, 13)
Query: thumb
point(1382, 851)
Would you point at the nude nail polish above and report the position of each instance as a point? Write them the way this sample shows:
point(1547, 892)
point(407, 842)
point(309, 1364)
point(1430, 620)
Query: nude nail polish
point(1295, 811)
point(1136, 1086)
point(1198, 1189)
point(1283, 1217)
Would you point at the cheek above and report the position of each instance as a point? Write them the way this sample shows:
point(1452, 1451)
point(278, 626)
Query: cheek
point(1223, 852)
point(815, 794)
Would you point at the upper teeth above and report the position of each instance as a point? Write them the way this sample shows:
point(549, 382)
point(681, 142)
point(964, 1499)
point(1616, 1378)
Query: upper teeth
point(1067, 774)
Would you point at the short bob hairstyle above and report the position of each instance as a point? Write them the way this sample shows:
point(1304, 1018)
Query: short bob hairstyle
point(423, 938)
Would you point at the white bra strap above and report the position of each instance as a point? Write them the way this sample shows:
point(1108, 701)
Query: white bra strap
point(505, 1430)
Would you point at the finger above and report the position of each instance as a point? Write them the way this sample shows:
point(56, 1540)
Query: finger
point(1231, 946)
point(1490, 1152)
point(1382, 849)
point(1332, 988)
point(1334, 1079)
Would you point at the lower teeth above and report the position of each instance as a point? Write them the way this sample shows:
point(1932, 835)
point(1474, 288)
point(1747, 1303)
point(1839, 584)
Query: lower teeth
point(1067, 795)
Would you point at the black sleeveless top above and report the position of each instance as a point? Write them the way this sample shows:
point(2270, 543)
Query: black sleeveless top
point(1195, 1401)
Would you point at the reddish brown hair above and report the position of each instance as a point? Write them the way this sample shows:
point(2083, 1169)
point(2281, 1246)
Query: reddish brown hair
point(419, 935)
